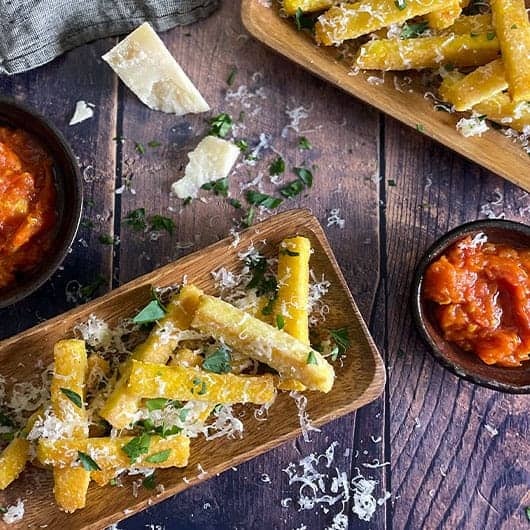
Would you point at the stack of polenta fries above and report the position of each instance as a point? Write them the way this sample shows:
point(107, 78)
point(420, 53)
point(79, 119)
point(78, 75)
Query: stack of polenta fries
point(165, 375)
point(491, 48)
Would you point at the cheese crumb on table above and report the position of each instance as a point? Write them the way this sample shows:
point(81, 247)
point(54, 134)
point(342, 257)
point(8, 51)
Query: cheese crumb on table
point(14, 513)
point(83, 111)
point(211, 160)
point(145, 65)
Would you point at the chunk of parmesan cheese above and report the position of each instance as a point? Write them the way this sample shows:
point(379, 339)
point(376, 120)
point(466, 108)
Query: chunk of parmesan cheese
point(145, 65)
point(211, 160)
point(83, 111)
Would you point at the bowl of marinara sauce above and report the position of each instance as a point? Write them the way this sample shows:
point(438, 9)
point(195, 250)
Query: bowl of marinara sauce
point(40, 200)
point(471, 303)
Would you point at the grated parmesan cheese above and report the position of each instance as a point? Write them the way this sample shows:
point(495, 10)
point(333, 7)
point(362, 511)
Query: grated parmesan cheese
point(335, 219)
point(296, 115)
point(14, 513)
point(473, 126)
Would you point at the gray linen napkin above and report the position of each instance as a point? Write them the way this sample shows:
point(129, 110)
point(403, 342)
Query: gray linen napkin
point(33, 32)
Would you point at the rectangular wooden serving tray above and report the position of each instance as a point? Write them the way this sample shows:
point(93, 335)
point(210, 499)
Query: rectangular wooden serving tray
point(359, 381)
point(493, 150)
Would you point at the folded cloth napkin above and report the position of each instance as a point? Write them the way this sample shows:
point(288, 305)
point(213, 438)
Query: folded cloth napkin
point(33, 32)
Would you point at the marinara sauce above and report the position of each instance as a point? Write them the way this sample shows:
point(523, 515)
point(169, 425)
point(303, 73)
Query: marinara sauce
point(27, 204)
point(482, 295)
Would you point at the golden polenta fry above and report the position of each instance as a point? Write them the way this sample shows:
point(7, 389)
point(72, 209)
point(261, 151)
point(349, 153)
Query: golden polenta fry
point(13, 460)
point(352, 20)
point(428, 52)
point(503, 110)
point(67, 396)
point(306, 6)
point(510, 20)
point(179, 382)
point(262, 342)
point(471, 24)
point(112, 453)
point(481, 84)
point(121, 405)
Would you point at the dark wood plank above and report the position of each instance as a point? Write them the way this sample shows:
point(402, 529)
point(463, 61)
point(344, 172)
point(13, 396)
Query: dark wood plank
point(345, 135)
point(448, 469)
point(53, 90)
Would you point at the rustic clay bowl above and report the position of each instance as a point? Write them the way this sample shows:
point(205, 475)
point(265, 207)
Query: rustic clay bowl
point(466, 364)
point(69, 187)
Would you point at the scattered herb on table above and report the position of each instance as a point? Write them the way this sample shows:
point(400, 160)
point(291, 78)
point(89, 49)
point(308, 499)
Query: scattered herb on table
point(219, 187)
point(149, 483)
point(87, 223)
point(243, 145)
point(220, 125)
point(304, 175)
point(139, 147)
point(159, 223)
point(154, 143)
point(231, 76)
point(277, 166)
point(106, 239)
point(87, 291)
point(136, 219)
point(303, 143)
point(262, 199)
point(249, 217)
point(292, 189)
point(235, 203)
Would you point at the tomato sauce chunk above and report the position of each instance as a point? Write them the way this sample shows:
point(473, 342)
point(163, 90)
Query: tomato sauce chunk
point(27, 204)
point(482, 296)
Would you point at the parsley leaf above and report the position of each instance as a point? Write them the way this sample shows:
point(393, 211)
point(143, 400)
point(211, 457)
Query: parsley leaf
point(219, 187)
point(159, 222)
point(220, 125)
point(6, 421)
point(249, 217)
point(137, 447)
point(231, 76)
point(87, 462)
point(401, 4)
point(106, 239)
point(154, 143)
point(280, 322)
point(413, 30)
point(87, 223)
point(156, 403)
point(74, 397)
point(87, 291)
point(149, 483)
point(303, 21)
point(527, 510)
point(140, 149)
point(311, 358)
point(277, 166)
point(304, 144)
point(242, 144)
point(219, 361)
point(136, 219)
point(261, 199)
point(292, 189)
point(150, 313)
point(304, 175)
point(158, 458)
point(341, 338)
point(235, 203)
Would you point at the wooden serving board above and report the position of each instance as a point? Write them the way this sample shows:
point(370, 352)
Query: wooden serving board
point(359, 381)
point(493, 150)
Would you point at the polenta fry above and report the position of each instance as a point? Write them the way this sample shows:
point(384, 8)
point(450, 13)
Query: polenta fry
point(290, 7)
point(443, 18)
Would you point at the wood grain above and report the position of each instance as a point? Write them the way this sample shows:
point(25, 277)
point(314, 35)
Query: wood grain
point(493, 150)
point(53, 91)
point(360, 380)
point(449, 470)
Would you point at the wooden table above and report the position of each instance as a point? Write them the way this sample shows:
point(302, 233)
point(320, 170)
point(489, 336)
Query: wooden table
point(397, 191)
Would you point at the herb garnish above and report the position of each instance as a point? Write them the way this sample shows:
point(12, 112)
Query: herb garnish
point(311, 358)
point(158, 458)
point(139, 147)
point(159, 222)
point(149, 483)
point(490, 35)
point(136, 219)
point(6, 421)
point(288, 252)
point(249, 217)
point(87, 462)
point(303, 21)
point(304, 144)
point(235, 203)
point(156, 403)
point(106, 239)
point(261, 199)
point(87, 291)
point(219, 361)
point(341, 339)
point(292, 189)
point(304, 175)
point(401, 4)
point(280, 322)
point(219, 187)
point(413, 30)
point(87, 223)
point(74, 397)
point(231, 76)
point(277, 166)
point(152, 312)
point(242, 144)
point(137, 446)
point(220, 125)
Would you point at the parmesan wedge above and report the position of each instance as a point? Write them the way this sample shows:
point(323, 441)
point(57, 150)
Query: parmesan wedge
point(211, 160)
point(145, 65)
point(83, 111)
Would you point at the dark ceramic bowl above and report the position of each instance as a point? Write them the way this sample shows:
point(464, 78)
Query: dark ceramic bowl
point(69, 187)
point(464, 364)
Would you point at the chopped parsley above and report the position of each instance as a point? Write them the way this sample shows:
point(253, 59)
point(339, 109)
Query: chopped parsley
point(231, 76)
point(3, 510)
point(341, 339)
point(187, 201)
point(6, 421)
point(261, 280)
point(401, 4)
point(152, 312)
point(304, 175)
point(514, 26)
point(280, 322)
point(304, 144)
point(490, 35)
point(74, 397)
point(139, 147)
point(219, 361)
point(156, 403)
point(87, 462)
point(106, 239)
point(277, 166)
point(203, 389)
point(154, 143)
point(288, 252)
point(249, 217)
point(311, 358)
point(303, 21)
point(158, 458)
point(391, 182)
point(413, 30)
point(219, 187)
point(242, 144)
point(235, 203)
point(136, 219)
point(87, 223)
point(261, 199)
point(420, 127)
point(220, 125)
point(159, 223)
point(137, 447)
point(527, 510)
point(292, 189)
point(90, 202)
point(87, 291)
point(149, 483)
